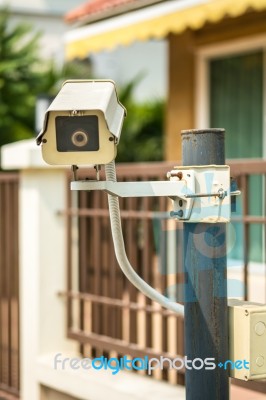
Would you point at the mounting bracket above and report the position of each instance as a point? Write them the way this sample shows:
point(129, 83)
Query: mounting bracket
point(198, 193)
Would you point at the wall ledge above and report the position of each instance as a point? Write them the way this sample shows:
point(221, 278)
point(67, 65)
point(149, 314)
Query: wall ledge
point(24, 154)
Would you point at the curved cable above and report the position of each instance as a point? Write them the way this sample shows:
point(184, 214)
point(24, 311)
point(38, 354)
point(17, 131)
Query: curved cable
point(120, 251)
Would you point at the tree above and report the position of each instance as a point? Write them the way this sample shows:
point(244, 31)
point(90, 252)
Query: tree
point(18, 80)
point(142, 134)
point(23, 76)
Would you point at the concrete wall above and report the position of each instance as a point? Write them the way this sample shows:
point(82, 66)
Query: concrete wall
point(180, 105)
point(148, 60)
point(42, 260)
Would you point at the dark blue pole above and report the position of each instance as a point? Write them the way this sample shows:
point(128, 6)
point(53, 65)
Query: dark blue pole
point(205, 294)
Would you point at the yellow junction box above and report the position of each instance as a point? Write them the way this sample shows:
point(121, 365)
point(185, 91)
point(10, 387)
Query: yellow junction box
point(247, 338)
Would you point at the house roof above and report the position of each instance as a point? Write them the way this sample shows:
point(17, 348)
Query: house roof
point(100, 9)
point(156, 20)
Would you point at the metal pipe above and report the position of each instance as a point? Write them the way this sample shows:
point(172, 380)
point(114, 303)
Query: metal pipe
point(205, 292)
point(121, 255)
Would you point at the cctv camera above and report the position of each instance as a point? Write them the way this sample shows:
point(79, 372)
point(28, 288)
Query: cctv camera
point(83, 124)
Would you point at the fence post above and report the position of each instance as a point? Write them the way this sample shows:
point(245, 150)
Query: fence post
point(205, 293)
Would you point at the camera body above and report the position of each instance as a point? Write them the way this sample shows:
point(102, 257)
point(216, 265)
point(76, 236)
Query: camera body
point(83, 124)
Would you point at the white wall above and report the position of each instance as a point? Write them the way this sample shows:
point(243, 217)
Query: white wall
point(149, 59)
point(52, 6)
point(42, 260)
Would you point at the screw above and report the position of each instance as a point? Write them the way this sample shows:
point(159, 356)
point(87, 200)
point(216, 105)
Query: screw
point(176, 214)
point(221, 193)
point(177, 174)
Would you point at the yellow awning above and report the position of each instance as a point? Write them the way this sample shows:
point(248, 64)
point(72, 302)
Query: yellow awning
point(153, 22)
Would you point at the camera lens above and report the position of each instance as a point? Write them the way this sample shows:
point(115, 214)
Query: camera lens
point(79, 138)
point(77, 133)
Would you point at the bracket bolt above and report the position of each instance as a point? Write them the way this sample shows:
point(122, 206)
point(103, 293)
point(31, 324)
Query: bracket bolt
point(179, 214)
point(176, 174)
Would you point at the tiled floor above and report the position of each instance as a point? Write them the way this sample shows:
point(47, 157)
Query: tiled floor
point(239, 393)
point(4, 396)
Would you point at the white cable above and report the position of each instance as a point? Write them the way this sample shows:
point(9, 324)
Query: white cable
point(120, 251)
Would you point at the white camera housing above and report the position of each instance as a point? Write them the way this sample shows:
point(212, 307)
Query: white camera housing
point(83, 124)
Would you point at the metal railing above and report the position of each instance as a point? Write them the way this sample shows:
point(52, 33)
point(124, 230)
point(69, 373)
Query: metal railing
point(9, 286)
point(106, 314)
point(244, 171)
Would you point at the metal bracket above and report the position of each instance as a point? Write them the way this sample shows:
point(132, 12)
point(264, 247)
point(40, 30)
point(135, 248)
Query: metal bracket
point(199, 193)
point(212, 196)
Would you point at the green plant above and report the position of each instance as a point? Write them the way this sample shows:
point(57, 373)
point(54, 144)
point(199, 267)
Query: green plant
point(18, 79)
point(23, 76)
point(142, 137)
